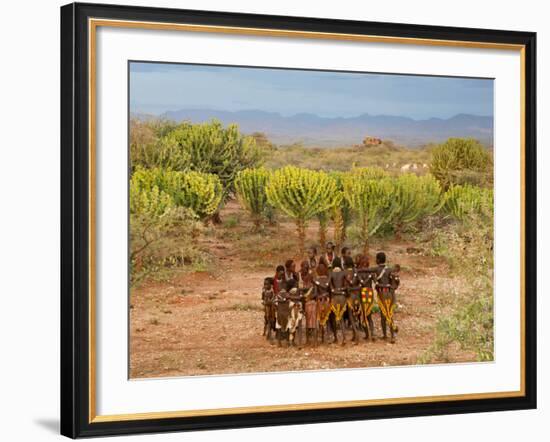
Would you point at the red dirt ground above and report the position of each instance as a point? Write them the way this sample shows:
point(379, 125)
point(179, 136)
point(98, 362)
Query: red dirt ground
point(203, 323)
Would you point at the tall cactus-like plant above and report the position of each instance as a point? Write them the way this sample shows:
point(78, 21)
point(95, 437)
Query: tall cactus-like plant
point(301, 194)
point(370, 199)
point(323, 218)
point(213, 148)
point(341, 213)
point(250, 185)
point(413, 198)
point(462, 202)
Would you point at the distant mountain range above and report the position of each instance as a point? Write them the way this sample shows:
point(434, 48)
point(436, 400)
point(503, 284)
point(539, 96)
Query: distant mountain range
point(313, 130)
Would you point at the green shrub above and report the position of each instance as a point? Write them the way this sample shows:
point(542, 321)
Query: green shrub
point(231, 221)
point(413, 198)
point(197, 191)
point(149, 200)
point(201, 192)
point(461, 161)
point(464, 202)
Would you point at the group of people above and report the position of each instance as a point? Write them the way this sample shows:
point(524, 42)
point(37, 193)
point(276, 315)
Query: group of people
point(330, 292)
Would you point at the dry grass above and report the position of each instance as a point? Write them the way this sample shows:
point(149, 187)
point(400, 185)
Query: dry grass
point(343, 158)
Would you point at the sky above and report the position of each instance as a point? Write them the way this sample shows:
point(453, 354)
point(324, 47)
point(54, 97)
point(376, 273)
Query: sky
point(159, 87)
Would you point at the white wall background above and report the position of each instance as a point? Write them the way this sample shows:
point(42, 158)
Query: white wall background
point(29, 220)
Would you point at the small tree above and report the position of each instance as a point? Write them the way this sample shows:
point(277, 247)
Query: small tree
point(370, 199)
point(147, 149)
point(461, 161)
point(263, 142)
point(413, 198)
point(301, 194)
point(150, 210)
point(160, 243)
point(250, 185)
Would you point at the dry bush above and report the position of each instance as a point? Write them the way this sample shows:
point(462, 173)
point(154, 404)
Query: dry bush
point(160, 245)
point(468, 248)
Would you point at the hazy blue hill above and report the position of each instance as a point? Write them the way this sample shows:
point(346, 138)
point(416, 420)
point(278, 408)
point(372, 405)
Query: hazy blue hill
point(312, 129)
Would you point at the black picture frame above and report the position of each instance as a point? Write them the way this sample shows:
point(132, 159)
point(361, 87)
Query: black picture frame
point(75, 194)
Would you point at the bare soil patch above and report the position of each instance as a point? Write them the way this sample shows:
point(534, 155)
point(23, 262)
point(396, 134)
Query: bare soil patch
point(211, 322)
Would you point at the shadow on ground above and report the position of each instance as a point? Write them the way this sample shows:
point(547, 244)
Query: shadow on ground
point(51, 425)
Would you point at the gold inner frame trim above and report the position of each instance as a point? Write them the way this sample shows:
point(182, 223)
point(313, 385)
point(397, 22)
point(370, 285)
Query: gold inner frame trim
point(93, 24)
point(291, 407)
point(299, 34)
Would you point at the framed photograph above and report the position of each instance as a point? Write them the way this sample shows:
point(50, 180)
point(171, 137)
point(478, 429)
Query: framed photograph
point(273, 220)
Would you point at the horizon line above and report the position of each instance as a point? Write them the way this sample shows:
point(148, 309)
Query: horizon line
point(308, 113)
